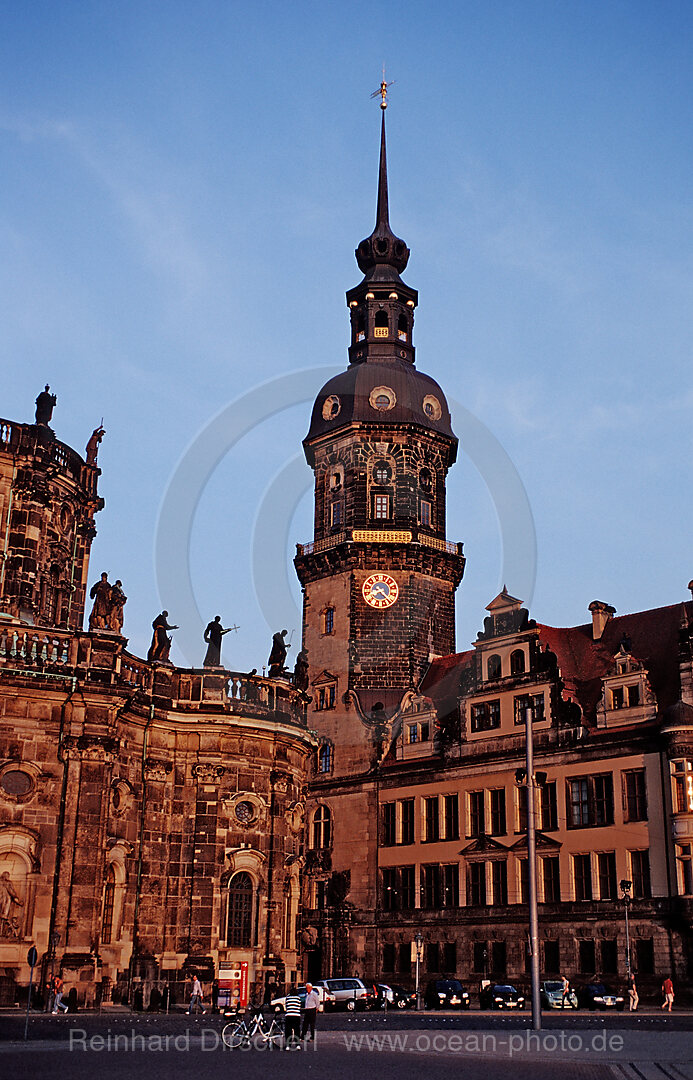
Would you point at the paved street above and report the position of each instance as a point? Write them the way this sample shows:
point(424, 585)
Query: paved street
point(488, 1047)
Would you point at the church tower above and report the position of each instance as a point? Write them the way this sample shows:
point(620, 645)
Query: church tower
point(379, 577)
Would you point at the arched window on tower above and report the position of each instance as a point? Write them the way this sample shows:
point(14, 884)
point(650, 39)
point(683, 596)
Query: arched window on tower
point(322, 828)
point(381, 324)
point(402, 328)
point(517, 662)
point(494, 667)
point(360, 328)
point(108, 907)
point(240, 912)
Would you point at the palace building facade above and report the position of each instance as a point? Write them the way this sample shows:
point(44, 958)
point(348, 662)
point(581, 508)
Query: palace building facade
point(156, 820)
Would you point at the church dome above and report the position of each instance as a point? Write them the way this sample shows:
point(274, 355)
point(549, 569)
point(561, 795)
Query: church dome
point(383, 393)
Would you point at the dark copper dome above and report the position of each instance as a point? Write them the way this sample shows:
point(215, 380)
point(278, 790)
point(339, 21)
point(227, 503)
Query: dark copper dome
point(383, 393)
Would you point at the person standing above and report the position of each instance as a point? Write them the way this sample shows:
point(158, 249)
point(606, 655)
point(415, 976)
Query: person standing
point(633, 997)
point(196, 995)
point(668, 991)
point(292, 1021)
point(310, 1011)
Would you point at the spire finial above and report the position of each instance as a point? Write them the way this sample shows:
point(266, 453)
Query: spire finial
point(382, 90)
point(382, 248)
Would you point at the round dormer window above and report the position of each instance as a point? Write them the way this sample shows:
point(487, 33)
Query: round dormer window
point(432, 407)
point(382, 398)
point(331, 407)
point(245, 812)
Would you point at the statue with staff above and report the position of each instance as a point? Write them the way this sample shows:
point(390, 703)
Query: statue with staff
point(213, 635)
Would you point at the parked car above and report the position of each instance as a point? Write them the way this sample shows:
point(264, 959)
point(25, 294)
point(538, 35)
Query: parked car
point(552, 995)
point(383, 996)
point(501, 996)
point(403, 999)
point(327, 1000)
point(446, 994)
point(349, 994)
point(599, 996)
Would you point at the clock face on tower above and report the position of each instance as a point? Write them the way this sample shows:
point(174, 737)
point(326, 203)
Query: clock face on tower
point(380, 590)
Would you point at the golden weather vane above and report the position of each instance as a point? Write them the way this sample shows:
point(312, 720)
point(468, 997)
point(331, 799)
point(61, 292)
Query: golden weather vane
point(382, 90)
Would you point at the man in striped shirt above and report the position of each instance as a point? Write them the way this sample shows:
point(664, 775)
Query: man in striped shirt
point(292, 1022)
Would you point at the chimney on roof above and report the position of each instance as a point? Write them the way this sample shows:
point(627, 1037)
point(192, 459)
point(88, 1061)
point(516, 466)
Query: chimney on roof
point(601, 616)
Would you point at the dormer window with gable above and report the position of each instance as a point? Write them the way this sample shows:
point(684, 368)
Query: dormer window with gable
point(493, 667)
point(517, 662)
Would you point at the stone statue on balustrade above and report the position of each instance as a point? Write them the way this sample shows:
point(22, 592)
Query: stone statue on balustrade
point(92, 450)
point(161, 642)
point(118, 600)
point(301, 671)
point(45, 403)
point(101, 611)
point(277, 657)
point(213, 635)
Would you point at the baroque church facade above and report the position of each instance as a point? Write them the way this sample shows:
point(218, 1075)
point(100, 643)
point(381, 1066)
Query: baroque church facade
point(156, 820)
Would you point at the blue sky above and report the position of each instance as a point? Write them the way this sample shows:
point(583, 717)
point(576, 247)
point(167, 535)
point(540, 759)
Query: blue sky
point(183, 186)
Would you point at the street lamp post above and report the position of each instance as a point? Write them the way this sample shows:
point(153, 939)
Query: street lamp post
point(419, 942)
point(626, 887)
point(532, 871)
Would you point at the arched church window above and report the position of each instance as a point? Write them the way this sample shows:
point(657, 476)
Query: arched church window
point(328, 621)
point(517, 662)
point(108, 907)
point(402, 328)
point(240, 915)
point(494, 667)
point(382, 473)
point(360, 328)
point(426, 479)
point(381, 324)
point(322, 828)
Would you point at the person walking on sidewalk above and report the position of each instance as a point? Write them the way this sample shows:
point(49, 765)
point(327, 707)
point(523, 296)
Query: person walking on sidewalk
point(292, 1021)
point(565, 986)
point(310, 1011)
point(58, 990)
point(196, 996)
point(668, 991)
point(633, 997)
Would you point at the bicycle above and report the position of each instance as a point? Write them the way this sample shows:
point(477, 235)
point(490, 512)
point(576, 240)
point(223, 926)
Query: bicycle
point(242, 1032)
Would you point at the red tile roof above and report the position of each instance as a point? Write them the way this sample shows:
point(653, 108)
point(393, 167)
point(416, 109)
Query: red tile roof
point(583, 663)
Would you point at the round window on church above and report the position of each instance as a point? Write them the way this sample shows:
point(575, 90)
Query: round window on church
point(382, 398)
point(245, 812)
point(16, 782)
point(331, 407)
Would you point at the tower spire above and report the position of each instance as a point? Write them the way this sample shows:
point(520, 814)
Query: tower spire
point(382, 214)
point(382, 254)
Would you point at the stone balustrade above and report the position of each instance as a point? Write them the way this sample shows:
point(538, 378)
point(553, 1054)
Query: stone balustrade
point(101, 659)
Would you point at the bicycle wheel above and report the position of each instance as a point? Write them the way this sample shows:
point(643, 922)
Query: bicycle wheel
point(235, 1034)
point(275, 1033)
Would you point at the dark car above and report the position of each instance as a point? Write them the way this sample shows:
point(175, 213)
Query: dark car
point(599, 996)
point(501, 996)
point(403, 999)
point(446, 994)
